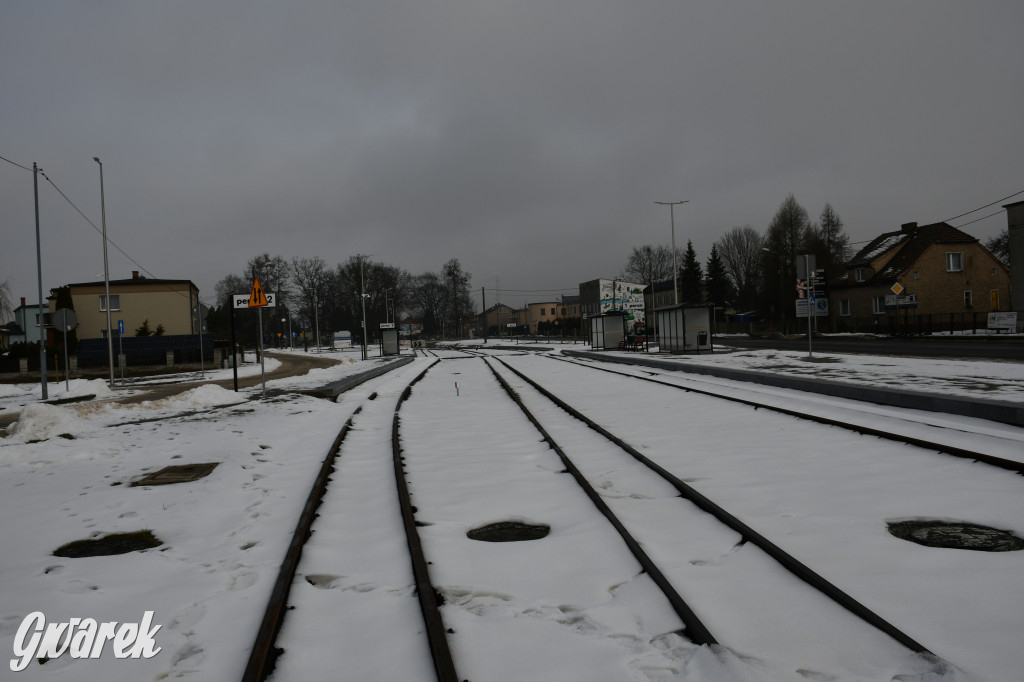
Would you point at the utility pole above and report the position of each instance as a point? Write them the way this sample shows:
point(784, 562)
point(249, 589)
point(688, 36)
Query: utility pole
point(106, 274)
point(483, 303)
point(39, 269)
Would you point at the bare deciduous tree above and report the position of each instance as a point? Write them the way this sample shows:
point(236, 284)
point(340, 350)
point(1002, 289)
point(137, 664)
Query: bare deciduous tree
point(428, 294)
point(5, 301)
point(740, 250)
point(1000, 246)
point(309, 275)
point(231, 285)
point(648, 264)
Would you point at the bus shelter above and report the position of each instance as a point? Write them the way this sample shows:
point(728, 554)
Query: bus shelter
point(608, 330)
point(685, 327)
point(389, 342)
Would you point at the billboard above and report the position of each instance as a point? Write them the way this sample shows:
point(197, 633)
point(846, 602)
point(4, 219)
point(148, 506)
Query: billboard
point(625, 296)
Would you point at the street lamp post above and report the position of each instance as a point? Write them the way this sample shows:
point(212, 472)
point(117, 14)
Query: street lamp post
point(362, 301)
point(675, 271)
point(106, 274)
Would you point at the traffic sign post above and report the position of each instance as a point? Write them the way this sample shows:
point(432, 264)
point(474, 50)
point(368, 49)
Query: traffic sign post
point(120, 348)
point(65, 320)
point(258, 299)
point(808, 266)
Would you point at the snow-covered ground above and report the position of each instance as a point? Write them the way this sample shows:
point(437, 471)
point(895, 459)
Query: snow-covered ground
point(65, 474)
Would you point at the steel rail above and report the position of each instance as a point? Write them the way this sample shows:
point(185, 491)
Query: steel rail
point(991, 460)
point(694, 628)
point(430, 601)
point(263, 655)
point(747, 533)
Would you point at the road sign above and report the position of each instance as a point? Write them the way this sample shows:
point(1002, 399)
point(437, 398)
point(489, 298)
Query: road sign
point(805, 266)
point(896, 288)
point(904, 301)
point(819, 306)
point(257, 299)
point(242, 300)
point(387, 325)
point(120, 326)
point(65, 319)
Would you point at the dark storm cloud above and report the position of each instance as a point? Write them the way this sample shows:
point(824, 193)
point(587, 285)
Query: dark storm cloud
point(528, 139)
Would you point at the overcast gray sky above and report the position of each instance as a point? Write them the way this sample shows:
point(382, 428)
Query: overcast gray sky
point(529, 139)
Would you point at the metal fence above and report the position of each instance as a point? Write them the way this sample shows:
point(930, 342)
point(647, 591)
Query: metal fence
point(906, 323)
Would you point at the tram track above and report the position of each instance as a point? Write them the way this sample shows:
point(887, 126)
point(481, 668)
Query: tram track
point(748, 534)
point(265, 652)
point(695, 629)
point(932, 444)
point(417, 482)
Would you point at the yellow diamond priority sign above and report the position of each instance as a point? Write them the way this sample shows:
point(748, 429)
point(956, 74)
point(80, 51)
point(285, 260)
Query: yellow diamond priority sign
point(897, 289)
point(257, 299)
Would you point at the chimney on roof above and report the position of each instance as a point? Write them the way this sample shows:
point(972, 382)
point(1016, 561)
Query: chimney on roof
point(22, 301)
point(135, 274)
point(909, 228)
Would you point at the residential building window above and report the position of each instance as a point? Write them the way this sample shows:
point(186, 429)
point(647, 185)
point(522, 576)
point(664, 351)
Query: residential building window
point(858, 274)
point(994, 272)
point(955, 261)
point(917, 274)
point(542, 312)
point(115, 302)
point(37, 319)
point(563, 312)
point(968, 299)
point(844, 307)
point(878, 305)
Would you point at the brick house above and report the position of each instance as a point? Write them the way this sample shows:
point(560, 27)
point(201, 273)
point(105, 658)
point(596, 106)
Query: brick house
point(942, 270)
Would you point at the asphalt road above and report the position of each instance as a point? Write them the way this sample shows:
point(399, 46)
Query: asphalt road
point(982, 347)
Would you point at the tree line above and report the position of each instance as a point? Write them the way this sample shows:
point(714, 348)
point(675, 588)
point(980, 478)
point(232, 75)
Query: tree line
point(314, 299)
point(748, 270)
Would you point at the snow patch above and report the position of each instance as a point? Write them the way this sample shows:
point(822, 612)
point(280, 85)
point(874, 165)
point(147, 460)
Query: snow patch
point(42, 422)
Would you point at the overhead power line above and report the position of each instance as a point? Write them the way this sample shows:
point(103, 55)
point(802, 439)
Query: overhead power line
point(977, 220)
point(15, 164)
point(985, 206)
point(111, 241)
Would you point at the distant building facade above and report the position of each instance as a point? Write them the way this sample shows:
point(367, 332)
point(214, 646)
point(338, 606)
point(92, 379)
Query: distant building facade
point(27, 319)
point(601, 296)
point(561, 313)
point(497, 319)
point(170, 303)
point(939, 267)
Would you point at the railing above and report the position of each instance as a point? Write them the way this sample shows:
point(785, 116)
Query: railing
point(906, 323)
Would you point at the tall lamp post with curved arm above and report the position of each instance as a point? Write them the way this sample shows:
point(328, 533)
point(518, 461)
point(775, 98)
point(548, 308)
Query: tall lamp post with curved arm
point(106, 274)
